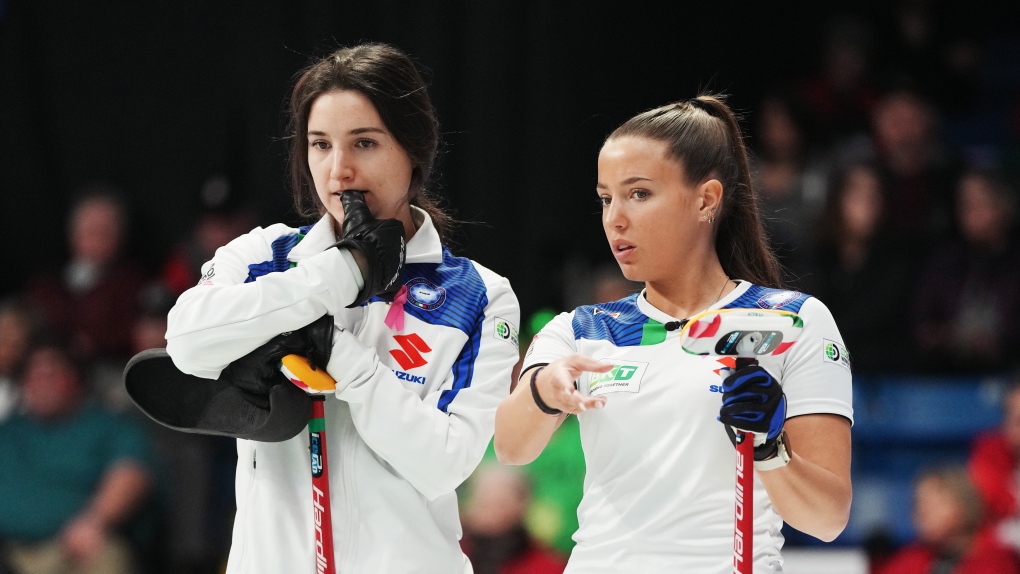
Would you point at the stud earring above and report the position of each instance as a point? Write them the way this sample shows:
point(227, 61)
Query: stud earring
point(704, 218)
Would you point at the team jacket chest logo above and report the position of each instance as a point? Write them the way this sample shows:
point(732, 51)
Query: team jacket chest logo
point(423, 294)
point(409, 354)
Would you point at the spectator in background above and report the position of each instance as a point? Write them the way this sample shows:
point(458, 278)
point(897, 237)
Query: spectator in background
point(149, 330)
point(17, 327)
point(916, 173)
point(495, 538)
point(939, 55)
point(91, 301)
point(840, 96)
point(966, 310)
point(862, 273)
point(72, 475)
point(220, 220)
point(792, 193)
point(947, 517)
point(994, 466)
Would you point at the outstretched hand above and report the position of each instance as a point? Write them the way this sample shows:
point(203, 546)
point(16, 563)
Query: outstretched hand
point(555, 383)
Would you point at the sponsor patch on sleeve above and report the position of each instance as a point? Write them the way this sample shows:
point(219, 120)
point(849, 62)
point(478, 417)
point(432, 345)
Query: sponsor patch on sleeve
point(506, 331)
point(833, 352)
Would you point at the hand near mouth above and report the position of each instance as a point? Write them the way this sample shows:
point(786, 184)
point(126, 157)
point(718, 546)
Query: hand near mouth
point(376, 244)
point(356, 212)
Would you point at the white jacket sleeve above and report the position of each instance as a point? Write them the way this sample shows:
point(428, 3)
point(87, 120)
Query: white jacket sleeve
point(554, 341)
point(433, 450)
point(817, 374)
point(223, 318)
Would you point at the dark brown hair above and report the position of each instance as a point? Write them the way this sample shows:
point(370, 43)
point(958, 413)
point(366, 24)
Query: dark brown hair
point(702, 134)
point(389, 79)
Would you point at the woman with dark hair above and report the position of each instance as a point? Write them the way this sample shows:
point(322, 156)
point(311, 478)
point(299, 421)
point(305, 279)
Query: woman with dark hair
point(680, 215)
point(422, 349)
point(787, 178)
point(965, 310)
point(864, 273)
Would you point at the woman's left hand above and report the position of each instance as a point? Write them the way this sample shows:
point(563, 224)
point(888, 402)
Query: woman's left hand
point(753, 401)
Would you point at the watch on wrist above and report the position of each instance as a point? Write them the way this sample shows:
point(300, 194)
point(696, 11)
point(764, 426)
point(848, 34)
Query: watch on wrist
point(780, 459)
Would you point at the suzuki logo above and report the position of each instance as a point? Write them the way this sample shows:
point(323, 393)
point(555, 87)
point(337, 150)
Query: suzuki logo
point(413, 346)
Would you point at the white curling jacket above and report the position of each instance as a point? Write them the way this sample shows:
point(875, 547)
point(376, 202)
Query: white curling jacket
point(399, 441)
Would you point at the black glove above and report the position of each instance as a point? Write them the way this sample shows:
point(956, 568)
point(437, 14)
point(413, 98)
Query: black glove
point(754, 401)
point(256, 373)
point(381, 241)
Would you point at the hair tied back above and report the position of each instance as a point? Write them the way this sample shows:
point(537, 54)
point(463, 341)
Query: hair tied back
point(697, 103)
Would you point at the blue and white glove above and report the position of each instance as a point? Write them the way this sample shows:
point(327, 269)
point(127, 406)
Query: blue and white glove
point(753, 401)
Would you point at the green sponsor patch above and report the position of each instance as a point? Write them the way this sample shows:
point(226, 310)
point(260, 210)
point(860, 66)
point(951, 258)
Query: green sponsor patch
point(506, 331)
point(834, 352)
point(625, 376)
point(619, 373)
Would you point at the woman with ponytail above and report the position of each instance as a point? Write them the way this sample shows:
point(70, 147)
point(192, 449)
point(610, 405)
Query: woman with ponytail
point(680, 215)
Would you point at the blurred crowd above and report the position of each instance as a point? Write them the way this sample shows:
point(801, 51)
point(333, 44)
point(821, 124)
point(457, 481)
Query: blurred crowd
point(889, 180)
point(88, 485)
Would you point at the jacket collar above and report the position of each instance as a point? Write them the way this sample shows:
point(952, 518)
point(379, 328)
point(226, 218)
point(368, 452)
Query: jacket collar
point(424, 247)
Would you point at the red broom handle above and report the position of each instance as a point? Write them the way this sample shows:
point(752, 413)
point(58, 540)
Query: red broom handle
point(322, 516)
point(743, 530)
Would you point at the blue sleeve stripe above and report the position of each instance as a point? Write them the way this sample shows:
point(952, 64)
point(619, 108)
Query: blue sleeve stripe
point(281, 247)
point(464, 368)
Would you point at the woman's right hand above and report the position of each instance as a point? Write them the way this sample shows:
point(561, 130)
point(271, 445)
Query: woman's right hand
point(256, 373)
point(555, 383)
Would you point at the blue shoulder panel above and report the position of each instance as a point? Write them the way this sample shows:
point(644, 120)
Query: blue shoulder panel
point(282, 247)
point(452, 294)
point(757, 297)
point(619, 322)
